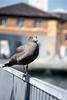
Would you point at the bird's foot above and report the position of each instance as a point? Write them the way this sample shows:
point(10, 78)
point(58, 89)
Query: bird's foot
point(26, 71)
point(25, 74)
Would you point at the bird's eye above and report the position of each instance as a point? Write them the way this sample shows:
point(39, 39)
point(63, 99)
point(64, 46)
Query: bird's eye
point(30, 37)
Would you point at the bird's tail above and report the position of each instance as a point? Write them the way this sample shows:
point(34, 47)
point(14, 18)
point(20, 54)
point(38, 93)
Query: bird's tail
point(7, 65)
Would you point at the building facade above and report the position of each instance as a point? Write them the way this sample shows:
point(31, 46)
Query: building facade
point(62, 36)
point(20, 20)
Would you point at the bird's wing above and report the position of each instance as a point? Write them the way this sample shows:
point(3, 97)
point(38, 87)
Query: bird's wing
point(20, 49)
point(21, 52)
point(21, 56)
point(27, 52)
point(13, 59)
point(17, 57)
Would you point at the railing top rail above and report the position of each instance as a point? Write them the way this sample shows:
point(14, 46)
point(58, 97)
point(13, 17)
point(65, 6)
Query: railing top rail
point(44, 86)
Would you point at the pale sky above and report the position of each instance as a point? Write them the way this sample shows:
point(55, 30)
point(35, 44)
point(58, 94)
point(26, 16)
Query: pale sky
point(10, 2)
point(57, 5)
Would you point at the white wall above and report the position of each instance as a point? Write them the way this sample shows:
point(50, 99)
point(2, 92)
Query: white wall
point(41, 4)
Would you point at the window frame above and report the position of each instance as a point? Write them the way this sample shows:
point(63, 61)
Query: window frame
point(20, 22)
point(38, 23)
point(3, 21)
point(65, 37)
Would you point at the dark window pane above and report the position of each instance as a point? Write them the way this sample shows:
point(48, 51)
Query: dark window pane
point(65, 37)
point(37, 23)
point(3, 21)
point(20, 22)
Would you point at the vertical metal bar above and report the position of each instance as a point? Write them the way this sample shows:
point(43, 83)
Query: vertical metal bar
point(51, 97)
point(41, 95)
point(55, 98)
point(44, 95)
point(30, 92)
point(38, 94)
point(47, 96)
point(35, 93)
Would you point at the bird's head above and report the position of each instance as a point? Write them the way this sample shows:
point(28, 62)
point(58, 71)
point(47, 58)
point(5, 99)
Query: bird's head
point(33, 39)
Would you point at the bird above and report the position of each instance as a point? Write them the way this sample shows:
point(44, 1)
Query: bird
point(25, 54)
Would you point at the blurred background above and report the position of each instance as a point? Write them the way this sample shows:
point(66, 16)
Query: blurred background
point(48, 20)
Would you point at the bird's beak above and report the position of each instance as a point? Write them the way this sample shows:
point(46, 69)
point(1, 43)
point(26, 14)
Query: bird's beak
point(35, 39)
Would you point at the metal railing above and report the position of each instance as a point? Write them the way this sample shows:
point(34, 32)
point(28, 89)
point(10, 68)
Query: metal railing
point(15, 86)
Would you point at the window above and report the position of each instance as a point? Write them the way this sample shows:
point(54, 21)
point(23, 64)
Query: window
point(65, 37)
point(37, 23)
point(66, 52)
point(20, 22)
point(3, 21)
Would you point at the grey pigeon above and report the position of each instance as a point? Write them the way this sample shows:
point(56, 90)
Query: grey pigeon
point(25, 54)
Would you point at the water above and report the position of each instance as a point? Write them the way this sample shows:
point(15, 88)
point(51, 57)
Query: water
point(57, 78)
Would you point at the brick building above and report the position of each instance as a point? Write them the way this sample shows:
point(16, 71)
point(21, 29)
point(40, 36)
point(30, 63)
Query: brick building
point(20, 20)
